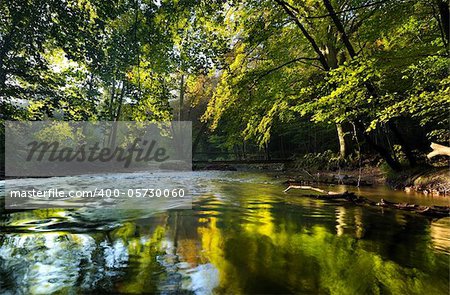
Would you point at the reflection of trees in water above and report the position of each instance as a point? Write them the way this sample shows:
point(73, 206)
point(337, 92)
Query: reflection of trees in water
point(48, 262)
point(440, 234)
point(42, 263)
point(254, 243)
point(349, 221)
point(265, 250)
point(143, 248)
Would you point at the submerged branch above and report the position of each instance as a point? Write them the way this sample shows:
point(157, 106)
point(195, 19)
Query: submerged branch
point(430, 211)
point(311, 188)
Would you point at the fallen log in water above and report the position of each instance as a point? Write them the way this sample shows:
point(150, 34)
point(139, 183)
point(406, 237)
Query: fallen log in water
point(311, 188)
point(429, 211)
point(439, 150)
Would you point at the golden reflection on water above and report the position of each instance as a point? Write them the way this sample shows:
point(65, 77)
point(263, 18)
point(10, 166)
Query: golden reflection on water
point(359, 225)
point(440, 234)
point(212, 245)
point(340, 220)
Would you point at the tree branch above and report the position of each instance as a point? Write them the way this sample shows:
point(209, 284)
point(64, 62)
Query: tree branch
point(347, 10)
point(283, 65)
point(279, 67)
point(311, 40)
point(340, 28)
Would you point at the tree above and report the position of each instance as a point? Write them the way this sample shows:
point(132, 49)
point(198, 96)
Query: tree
point(327, 60)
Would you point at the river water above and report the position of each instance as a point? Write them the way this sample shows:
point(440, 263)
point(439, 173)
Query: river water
point(243, 235)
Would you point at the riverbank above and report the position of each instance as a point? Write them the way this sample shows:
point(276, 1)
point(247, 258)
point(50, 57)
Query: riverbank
point(366, 176)
point(429, 181)
point(426, 180)
point(435, 181)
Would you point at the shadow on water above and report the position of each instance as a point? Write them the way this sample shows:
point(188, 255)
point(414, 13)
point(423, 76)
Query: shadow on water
point(243, 235)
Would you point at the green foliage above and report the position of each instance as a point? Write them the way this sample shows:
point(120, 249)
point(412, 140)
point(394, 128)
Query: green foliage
point(267, 63)
point(274, 73)
point(426, 99)
point(85, 60)
point(61, 132)
point(347, 96)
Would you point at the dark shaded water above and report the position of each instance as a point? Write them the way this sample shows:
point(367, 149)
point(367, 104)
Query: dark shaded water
point(243, 235)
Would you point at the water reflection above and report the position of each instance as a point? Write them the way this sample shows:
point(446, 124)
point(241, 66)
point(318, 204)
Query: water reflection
point(50, 262)
point(242, 236)
point(440, 234)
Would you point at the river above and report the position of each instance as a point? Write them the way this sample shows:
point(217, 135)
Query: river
point(243, 235)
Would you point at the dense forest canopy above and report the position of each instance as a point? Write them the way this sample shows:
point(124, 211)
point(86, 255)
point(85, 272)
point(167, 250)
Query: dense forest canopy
point(367, 77)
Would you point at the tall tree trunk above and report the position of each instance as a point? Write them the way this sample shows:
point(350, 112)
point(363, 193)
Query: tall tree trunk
point(5, 48)
point(111, 100)
point(340, 28)
point(266, 151)
point(181, 101)
point(351, 51)
point(120, 102)
point(113, 135)
point(331, 56)
point(391, 161)
point(445, 17)
point(342, 144)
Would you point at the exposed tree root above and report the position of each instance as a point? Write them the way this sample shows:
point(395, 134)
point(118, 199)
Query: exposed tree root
point(429, 211)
